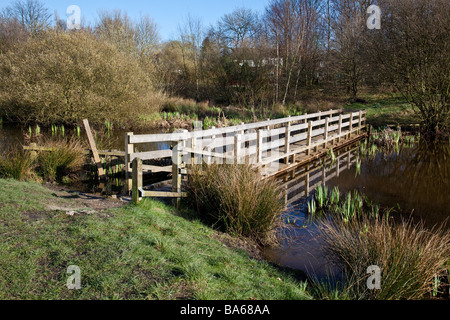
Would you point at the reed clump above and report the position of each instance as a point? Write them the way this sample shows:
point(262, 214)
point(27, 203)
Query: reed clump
point(412, 258)
point(234, 199)
point(17, 163)
point(64, 156)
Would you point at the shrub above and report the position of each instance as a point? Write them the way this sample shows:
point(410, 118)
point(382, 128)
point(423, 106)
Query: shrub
point(64, 77)
point(410, 256)
point(235, 199)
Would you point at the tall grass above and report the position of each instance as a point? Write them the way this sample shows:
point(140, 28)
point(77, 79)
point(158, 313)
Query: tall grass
point(65, 156)
point(16, 163)
point(233, 198)
point(411, 257)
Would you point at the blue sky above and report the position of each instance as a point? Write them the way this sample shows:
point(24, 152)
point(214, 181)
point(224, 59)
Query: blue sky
point(167, 14)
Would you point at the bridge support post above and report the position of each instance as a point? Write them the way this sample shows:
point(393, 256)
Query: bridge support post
point(237, 148)
point(137, 180)
point(325, 132)
point(287, 142)
point(129, 150)
point(350, 126)
point(308, 138)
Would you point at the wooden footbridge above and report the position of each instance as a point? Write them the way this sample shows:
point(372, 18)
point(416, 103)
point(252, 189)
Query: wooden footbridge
point(273, 147)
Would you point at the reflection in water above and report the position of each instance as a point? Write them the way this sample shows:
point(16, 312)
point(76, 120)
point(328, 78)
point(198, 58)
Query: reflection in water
point(301, 247)
point(416, 179)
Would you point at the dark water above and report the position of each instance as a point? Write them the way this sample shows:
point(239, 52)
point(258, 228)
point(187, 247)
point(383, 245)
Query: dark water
point(415, 180)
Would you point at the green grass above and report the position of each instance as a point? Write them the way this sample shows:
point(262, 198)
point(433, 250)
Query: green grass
point(385, 110)
point(133, 252)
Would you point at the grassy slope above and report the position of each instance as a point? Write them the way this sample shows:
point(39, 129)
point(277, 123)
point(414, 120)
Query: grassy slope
point(132, 252)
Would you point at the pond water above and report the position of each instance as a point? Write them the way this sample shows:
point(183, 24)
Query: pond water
point(415, 180)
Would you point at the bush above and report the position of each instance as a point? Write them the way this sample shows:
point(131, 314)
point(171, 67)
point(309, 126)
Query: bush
point(64, 77)
point(236, 200)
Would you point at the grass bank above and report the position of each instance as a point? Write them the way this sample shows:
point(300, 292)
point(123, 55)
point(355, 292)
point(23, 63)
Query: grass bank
point(385, 110)
point(127, 252)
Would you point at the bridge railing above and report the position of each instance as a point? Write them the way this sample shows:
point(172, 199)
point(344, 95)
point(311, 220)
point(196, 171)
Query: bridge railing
point(266, 145)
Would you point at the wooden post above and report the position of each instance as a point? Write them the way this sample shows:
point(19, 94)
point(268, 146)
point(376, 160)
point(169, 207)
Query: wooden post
point(287, 142)
point(137, 180)
point(193, 153)
point(360, 122)
point(350, 127)
point(176, 169)
point(33, 153)
point(259, 146)
point(308, 139)
point(224, 148)
point(101, 172)
point(237, 148)
point(211, 158)
point(325, 132)
point(129, 150)
point(306, 120)
point(340, 128)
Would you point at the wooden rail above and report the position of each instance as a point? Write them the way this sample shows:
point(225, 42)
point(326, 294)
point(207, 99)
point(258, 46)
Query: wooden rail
point(112, 153)
point(271, 146)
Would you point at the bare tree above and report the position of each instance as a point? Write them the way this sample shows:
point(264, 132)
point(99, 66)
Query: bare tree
point(349, 43)
point(413, 51)
point(191, 38)
point(146, 36)
point(31, 13)
point(237, 28)
point(295, 28)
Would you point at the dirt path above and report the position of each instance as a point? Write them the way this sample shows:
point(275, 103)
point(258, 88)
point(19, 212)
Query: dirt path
point(74, 202)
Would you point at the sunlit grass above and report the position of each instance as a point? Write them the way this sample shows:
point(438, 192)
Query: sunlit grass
point(134, 252)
